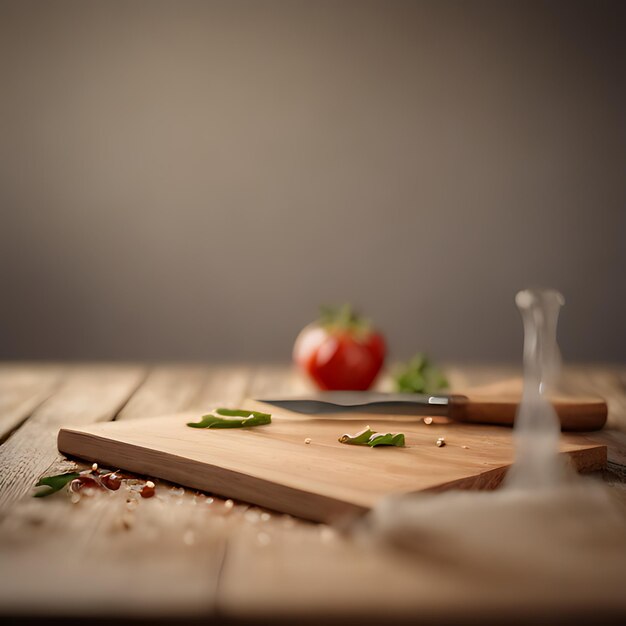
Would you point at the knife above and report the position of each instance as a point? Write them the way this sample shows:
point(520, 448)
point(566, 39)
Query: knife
point(575, 413)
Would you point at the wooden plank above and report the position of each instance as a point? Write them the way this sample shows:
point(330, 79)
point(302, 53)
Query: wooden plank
point(115, 534)
point(167, 388)
point(113, 554)
point(226, 384)
point(23, 387)
point(518, 559)
point(470, 376)
point(274, 466)
point(90, 393)
point(274, 564)
point(605, 381)
point(286, 569)
point(277, 379)
point(608, 382)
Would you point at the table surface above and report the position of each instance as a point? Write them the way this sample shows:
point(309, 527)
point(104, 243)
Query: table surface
point(184, 553)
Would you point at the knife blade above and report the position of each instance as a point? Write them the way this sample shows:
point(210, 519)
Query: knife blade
point(364, 401)
point(575, 413)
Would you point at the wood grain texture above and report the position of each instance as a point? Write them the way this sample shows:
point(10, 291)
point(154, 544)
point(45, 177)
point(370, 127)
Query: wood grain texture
point(606, 381)
point(609, 382)
point(90, 393)
point(291, 569)
point(115, 535)
point(23, 388)
point(166, 388)
point(504, 564)
point(273, 466)
point(272, 565)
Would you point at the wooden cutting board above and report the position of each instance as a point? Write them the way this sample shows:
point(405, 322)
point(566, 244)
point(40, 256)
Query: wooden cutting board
point(272, 466)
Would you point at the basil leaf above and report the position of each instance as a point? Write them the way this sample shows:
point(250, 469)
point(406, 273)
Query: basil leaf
point(368, 437)
point(419, 375)
point(360, 439)
point(54, 483)
point(246, 419)
point(243, 413)
point(386, 439)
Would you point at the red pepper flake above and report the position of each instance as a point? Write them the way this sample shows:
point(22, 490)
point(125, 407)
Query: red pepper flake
point(85, 481)
point(111, 481)
point(148, 490)
point(95, 478)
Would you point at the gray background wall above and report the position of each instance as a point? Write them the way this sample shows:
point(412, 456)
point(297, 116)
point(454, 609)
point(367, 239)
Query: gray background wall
point(191, 179)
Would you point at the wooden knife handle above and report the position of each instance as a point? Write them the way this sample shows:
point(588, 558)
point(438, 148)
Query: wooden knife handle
point(575, 414)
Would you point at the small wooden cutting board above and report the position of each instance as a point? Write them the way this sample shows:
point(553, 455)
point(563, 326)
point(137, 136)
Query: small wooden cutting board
point(274, 467)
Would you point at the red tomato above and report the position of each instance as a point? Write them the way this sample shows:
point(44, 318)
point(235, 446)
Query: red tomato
point(340, 352)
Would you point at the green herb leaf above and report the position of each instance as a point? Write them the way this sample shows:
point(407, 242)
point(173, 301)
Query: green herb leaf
point(368, 437)
point(360, 439)
point(419, 375)
point(246, 419)
point(54, 483)
point(386, 439)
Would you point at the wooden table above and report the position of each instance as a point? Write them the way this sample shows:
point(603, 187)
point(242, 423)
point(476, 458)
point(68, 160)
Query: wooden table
point(185, 554)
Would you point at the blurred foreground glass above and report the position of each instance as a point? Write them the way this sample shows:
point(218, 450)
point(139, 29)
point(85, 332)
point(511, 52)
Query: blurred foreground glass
point(537, 426)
